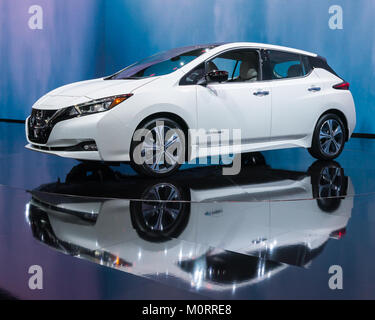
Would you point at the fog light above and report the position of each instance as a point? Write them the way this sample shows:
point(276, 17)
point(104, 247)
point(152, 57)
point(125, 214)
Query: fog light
point(90, 147)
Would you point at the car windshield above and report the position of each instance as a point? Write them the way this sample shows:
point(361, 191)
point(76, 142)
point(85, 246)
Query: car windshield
point(161, 63)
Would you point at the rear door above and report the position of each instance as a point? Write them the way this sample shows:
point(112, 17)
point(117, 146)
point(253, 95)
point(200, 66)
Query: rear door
point(296, 95)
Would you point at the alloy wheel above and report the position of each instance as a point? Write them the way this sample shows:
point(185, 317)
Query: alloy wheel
point(330, 182)
point(331, 137)
point(162, 148)
point(160, 207)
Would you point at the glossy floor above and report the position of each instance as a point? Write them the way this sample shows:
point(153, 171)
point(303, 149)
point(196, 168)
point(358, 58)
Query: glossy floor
point(272, 231)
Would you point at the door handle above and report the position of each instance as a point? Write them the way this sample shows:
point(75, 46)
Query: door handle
point(314, 89)
point(261, 93)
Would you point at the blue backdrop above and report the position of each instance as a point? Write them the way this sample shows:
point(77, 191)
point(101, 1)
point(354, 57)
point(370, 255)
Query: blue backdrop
point(91, 38)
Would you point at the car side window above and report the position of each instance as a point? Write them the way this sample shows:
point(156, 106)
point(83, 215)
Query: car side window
point(194, 75)
point(283, 65)
point(242, 65)
point(229, 65)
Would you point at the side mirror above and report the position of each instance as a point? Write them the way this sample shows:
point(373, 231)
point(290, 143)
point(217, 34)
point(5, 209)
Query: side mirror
point(217, 76)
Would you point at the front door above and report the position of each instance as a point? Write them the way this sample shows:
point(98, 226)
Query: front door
point(242, 102)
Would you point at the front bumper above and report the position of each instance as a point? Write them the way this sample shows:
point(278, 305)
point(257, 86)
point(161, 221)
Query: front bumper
point(65, 136)
point(111, 136)
point(79, 155)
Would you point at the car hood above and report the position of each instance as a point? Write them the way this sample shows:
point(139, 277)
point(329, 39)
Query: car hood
point(84, 91)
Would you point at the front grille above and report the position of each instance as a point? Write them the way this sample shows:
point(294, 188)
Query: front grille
point(39, 126)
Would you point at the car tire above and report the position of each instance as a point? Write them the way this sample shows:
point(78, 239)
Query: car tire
point(328, 138)
point(160, 135)
point(329, 184)
point(162, 213)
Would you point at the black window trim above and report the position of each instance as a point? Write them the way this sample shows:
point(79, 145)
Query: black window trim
point(261, 52)
point(327, 67)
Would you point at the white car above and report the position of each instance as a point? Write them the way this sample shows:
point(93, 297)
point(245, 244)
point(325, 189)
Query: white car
point(278, 97)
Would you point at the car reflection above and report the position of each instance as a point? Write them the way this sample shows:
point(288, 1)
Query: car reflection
point(204, 229)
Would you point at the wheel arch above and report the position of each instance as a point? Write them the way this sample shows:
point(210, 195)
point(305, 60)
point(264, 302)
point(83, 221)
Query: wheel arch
point(169, 115)
point(341, 115)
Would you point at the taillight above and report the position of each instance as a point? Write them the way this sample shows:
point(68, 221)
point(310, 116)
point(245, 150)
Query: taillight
point(338, 234)
point(342, 86)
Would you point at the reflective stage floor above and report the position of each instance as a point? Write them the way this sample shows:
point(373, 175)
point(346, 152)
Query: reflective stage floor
point(270, 232)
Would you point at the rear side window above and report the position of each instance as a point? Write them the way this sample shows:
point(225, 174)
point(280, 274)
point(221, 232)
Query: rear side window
point(283, 65)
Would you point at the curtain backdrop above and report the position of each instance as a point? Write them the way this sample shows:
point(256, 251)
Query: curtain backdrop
point(83, 39)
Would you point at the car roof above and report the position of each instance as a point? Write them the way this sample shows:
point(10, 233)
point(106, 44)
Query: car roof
point(229, 45)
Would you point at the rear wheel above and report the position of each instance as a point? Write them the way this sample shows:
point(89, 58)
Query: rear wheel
point(159, 150)
point(328, 138)
point(329, 184)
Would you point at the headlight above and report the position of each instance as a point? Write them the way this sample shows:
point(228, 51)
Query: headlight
point(96, 106)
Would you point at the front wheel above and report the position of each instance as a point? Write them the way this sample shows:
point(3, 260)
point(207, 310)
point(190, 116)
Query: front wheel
point(158, 148)
point(328, 138)
point(163, 212)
